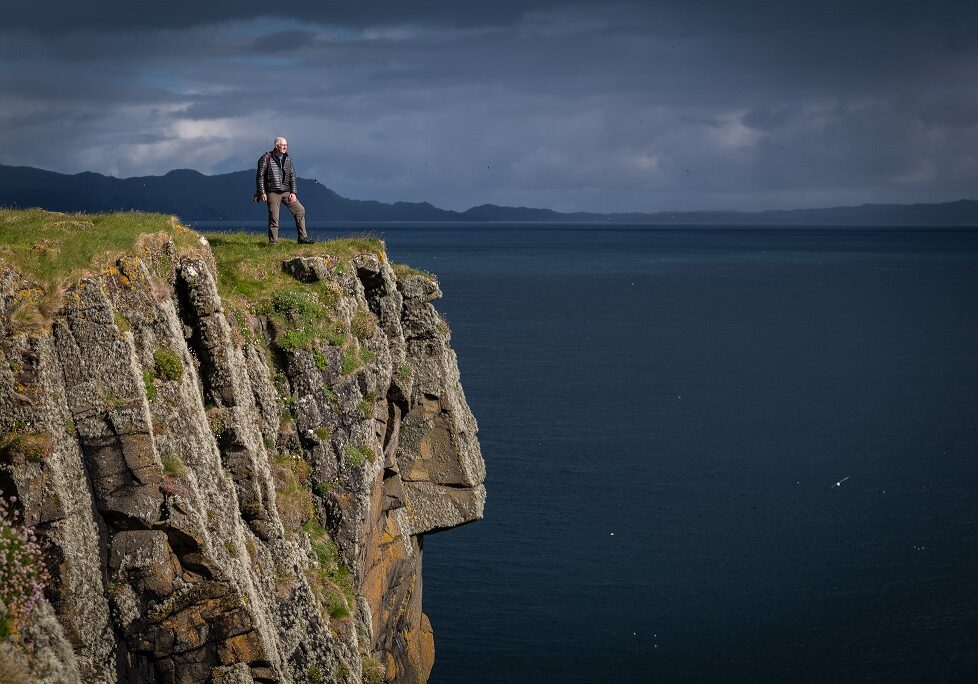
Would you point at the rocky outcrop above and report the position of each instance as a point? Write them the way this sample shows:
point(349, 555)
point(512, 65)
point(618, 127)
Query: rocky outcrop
point(215, 507)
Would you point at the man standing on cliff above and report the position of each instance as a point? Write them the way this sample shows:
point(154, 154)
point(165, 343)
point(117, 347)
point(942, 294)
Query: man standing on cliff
point(276, 185)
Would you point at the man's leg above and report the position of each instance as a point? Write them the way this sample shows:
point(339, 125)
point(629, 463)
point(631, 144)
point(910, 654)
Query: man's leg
point(299, 213)
point(274, 204)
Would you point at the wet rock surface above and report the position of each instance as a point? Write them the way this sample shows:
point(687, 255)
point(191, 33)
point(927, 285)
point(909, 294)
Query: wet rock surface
point(218, 508)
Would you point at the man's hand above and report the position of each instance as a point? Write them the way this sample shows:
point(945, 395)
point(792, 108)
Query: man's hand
point(264, 197)
point(292, 197)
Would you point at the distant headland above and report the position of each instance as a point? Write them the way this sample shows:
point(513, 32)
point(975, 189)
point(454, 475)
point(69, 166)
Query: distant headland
point(197, 197)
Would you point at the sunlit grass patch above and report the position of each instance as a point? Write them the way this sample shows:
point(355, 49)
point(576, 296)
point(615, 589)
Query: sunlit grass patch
point(249, 268)
point(404, 271)
point(53, 251)
point(250, 277)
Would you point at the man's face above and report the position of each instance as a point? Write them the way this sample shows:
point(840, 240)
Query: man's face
point(281, 146)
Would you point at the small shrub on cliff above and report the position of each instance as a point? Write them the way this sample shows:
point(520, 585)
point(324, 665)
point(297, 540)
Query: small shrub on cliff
point(167, 364)
point(22, 572)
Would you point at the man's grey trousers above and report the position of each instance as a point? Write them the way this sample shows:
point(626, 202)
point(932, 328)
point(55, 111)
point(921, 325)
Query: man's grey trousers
point(275, 201)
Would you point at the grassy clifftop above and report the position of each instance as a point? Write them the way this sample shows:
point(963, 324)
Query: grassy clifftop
point(52, 251)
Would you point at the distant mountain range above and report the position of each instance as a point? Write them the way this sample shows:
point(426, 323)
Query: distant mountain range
point(195, 197)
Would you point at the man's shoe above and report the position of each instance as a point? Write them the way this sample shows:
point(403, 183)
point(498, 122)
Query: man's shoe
point(307, 241)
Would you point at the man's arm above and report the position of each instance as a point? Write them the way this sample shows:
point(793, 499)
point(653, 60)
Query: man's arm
point(260, 178)
point(291, 179)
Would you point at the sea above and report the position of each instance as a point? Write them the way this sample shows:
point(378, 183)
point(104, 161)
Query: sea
point(713, 454)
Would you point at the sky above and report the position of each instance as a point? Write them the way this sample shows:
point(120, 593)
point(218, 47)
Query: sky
point(590, 106)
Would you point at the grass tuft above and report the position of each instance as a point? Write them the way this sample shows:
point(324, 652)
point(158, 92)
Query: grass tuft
point(293, 498)
point(30, 446)
point(149, 380)
point(167, 365)
point(173, 465)
point(331, 580)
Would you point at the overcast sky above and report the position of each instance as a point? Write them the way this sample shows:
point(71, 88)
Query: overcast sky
point(601, 106)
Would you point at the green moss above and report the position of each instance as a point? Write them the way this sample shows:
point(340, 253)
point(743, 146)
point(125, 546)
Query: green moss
point(331, 580)
point(323, 433)
point(322, 546)
point(321, 362)
point(296, 305)
point(314, 675)
point(121, 322)
point(355, 456)
point(324, 488)
point(149, 381)
point(167, 365)
point(404, 372)
point(351, 361)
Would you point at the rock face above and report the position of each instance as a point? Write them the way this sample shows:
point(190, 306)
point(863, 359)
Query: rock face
point(214, 508)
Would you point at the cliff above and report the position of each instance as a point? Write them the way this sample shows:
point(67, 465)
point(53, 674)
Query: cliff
point(229, 454)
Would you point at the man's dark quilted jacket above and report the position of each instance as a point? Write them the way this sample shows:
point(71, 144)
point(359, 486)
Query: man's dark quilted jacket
point(274, 178)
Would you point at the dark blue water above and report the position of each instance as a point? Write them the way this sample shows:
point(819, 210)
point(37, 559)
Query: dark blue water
point(664, 413)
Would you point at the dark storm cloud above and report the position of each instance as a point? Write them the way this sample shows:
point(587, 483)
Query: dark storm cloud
point(125, 14)
point(624, 106)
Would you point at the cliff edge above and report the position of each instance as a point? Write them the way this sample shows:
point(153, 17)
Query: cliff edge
point(228, 455)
